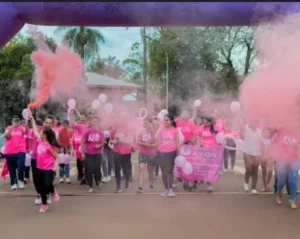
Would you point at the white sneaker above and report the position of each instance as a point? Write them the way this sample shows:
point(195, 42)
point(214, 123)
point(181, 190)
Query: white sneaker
point(68, 181)
point(49, 200)
point(225, 171)
point(20, 184)
point(61, 180)
point(14, 187)
point(254, 192)
point(246, 186)
point(108, 178)
point(38, 200)
point(209, 188)
point(104, 180)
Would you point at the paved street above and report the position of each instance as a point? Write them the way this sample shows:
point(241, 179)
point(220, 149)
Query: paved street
point(228, 213)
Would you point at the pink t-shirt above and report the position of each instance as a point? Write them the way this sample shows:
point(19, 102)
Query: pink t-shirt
point(28, 138)
point(220, 125)
point(92, 138)
point(80, 128)
point(56, 130)
point(17, 142)
point(206, 138)
point(187, 128)
point(167, 140)
point(285, 146)
point(34, 144)
point(146, 137)
point(121, 147)
point(76, 142)
point(45, 159)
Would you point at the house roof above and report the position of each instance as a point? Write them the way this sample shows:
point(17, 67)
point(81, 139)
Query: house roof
point(97, 80)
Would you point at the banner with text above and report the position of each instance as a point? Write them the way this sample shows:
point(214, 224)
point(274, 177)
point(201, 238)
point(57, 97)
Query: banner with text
point(204, 163)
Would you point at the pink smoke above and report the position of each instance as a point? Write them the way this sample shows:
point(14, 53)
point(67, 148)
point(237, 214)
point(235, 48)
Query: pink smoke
point(271, 94)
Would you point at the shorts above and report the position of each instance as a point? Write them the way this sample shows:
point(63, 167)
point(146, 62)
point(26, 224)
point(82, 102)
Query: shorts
point(147, 159)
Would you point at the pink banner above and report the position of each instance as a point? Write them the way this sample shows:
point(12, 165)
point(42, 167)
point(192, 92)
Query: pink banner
point(206, 163)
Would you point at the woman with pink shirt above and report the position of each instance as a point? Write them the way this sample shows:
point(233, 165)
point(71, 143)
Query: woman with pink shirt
point(186, 126)
point(92, 145)
point(168, 149)
point(46, 156)
point(34, 144)
point(56, 126)
point(76, 144)
point(286, 151)
point(230, 151)
point(15, 152)
point(206, 137)
point(122, 138)
point(147, 144)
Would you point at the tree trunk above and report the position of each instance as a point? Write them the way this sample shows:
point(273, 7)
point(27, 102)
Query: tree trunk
point(145, 62)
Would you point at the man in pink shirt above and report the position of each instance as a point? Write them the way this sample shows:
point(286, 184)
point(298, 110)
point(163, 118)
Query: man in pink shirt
point(15, 152)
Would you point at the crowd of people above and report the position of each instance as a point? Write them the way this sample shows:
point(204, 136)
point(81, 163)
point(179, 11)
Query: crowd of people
point(103, 149)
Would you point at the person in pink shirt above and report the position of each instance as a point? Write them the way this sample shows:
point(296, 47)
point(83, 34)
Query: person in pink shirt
point(186, 126)
point(286, 153)
point(47, 124)
point(76, 144)
point(206, 137)
point(230, 151)
point(92, 144)
point(56, 126)
point(168, 148)
point(46, 156)
point(122, 139)
point(15, 152)
point(82, 125)
point(147, 144)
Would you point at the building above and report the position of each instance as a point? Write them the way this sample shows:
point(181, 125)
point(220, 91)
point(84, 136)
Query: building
point(115, 89)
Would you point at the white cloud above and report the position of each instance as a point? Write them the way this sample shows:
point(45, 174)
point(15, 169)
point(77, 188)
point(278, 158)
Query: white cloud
point(118, 39)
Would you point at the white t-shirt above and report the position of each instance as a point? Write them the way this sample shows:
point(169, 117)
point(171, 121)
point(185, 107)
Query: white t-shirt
point(252, 141)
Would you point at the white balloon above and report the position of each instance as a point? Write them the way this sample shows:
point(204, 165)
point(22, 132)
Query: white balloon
point(180, 161)
point(71, 103)
point(108, 108)
point(197, 103)
point(220, 138)
point(162, 114)
point(145, 113)
point(96, 104)
point(102, 98)
point(187, 168)
point(26, 113)
point(28, 160)
point(2, 149)
point(111, 145)
point(235, 106)
point(239, 144)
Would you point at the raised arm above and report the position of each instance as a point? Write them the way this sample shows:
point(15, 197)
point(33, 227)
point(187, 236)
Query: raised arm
point(35, 129)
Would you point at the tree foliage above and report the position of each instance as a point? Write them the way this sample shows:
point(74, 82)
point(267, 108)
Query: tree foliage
point(84, 40)
point(201, 60)
point(16, 73)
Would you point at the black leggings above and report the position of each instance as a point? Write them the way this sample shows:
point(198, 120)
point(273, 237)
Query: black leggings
point(80, 168)
point(93, 168)
point(229, 154)
point(166, 163)
point(27, 172)
point(34, 177)
point(44, 183)
point(122, 161)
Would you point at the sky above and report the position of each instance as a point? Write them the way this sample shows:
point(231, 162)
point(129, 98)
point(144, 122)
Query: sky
point(118, 40)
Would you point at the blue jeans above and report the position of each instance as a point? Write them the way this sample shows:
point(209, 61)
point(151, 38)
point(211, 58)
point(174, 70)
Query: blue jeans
point(64, 170)
point(16, 162)
point(287, 172)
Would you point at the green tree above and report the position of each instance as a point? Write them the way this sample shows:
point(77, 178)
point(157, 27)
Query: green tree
point(84, 40)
